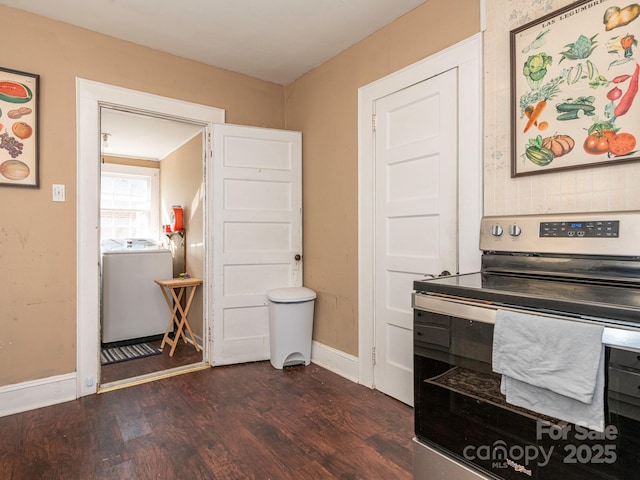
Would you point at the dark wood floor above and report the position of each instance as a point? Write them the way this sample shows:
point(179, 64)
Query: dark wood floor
point(246, 421)
point(184, 354)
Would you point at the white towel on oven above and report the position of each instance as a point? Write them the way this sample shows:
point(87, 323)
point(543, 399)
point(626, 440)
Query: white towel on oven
point(551, 366)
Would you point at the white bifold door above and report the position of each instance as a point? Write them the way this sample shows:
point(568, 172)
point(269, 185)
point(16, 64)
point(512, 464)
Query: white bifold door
point(256, 234)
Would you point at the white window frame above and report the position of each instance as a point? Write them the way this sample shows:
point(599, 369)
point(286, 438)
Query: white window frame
point(154, 174)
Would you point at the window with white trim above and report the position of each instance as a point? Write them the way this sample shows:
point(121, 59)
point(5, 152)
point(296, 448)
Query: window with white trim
point(129, 202)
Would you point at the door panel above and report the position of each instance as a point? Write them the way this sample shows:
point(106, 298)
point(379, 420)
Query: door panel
point(256, 234)
point(415, 220)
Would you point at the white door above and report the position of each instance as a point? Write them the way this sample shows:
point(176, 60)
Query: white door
point(416, 215)
point(256, 234)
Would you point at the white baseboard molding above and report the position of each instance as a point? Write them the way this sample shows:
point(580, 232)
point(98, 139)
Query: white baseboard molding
point(21, 397)
point(199, 340)
point(336, 361)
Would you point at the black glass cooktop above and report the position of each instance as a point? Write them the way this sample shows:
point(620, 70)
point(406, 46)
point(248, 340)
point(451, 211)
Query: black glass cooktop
point(613, 301)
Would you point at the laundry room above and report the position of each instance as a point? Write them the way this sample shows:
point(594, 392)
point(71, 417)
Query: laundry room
point(151, 229)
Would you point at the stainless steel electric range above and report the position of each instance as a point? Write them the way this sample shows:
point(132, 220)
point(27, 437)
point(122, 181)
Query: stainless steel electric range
point(575, 267)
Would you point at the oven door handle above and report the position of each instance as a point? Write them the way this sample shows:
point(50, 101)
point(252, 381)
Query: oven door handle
point(617, 337)
point(455, 308)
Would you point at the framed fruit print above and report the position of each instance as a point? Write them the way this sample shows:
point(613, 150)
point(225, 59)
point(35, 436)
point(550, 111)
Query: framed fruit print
point(574, 86)
point(19, 98)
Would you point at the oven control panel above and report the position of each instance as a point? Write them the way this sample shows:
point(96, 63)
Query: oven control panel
point(592, 228)
point(599, 233)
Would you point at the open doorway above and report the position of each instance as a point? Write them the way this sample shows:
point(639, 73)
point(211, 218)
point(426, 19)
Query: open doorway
point(91, 96)
point(151, 170)
point(252, 227)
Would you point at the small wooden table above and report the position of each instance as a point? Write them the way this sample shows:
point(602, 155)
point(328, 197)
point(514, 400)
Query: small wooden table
point(177, 287)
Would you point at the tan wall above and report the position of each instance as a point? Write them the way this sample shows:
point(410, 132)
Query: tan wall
point(38, 236)
point(323, 104)
point(182, 183)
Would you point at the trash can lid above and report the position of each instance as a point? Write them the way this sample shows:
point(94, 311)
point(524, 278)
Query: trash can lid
point(291, 295)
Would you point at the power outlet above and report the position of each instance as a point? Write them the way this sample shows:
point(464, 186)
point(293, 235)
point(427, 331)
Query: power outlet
point(58, 193)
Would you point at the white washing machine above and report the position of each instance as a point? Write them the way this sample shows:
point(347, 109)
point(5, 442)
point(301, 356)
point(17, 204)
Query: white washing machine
point(132, 304)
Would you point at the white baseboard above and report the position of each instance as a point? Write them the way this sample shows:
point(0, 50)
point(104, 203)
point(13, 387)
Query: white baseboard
point(43, 392)
point(336, 361)
point(21, 397)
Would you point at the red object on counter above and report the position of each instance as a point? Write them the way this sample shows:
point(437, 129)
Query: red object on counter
point(176, 218)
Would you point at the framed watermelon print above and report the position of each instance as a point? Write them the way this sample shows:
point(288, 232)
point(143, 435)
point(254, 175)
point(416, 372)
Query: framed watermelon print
point(19, 156)
point(574, 85)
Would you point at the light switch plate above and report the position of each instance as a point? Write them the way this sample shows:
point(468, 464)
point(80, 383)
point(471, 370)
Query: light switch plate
point(58, 193)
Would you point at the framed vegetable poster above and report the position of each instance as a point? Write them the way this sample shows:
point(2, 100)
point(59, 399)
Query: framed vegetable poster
point(574, 85)
point(19, 129)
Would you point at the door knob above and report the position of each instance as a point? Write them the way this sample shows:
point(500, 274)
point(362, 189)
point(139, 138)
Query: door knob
point(298, 257)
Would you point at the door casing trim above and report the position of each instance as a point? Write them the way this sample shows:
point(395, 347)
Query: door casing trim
point(466, 56)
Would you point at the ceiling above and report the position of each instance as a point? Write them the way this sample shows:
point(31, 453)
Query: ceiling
point(140, 136)
point(275, 40)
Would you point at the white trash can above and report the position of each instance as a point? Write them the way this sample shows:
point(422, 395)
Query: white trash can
point(290, 325)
